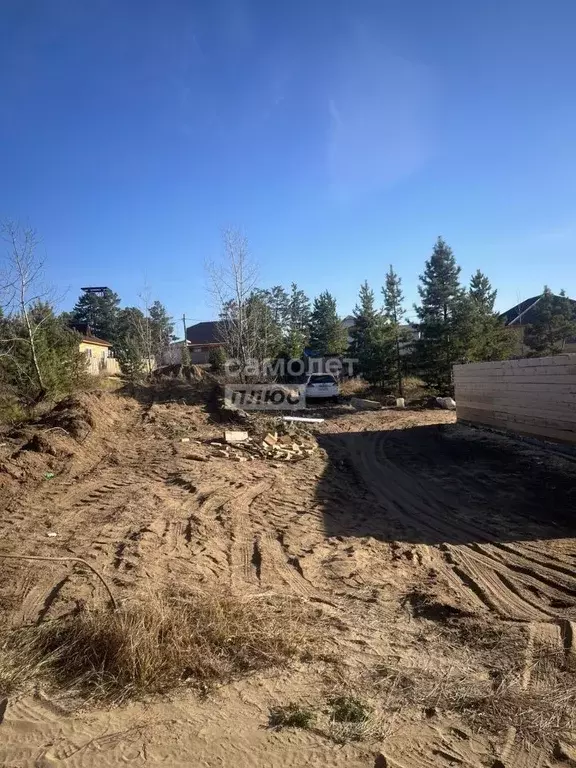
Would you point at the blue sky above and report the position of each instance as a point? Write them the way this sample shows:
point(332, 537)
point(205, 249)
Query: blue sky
point(340, 136)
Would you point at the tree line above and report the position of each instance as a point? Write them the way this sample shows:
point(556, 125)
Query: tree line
point(40, 356)
point(138, 335)
point(456, 323)
point(39, 348)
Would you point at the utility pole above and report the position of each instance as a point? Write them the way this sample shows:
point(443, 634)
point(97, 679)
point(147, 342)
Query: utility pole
point(184, 356)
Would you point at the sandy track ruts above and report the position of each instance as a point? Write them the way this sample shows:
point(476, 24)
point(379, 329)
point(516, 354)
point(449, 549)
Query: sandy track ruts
point(518, 582)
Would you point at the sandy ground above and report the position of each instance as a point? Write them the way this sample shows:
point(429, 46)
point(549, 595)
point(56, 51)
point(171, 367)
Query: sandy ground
point(401, 526)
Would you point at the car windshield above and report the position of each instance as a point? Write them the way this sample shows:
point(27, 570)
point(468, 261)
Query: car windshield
point(322, 379)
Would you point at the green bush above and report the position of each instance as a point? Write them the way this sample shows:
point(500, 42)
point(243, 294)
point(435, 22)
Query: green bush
point(291, 716)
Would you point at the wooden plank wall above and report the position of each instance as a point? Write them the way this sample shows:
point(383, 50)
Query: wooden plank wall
point(532, 396)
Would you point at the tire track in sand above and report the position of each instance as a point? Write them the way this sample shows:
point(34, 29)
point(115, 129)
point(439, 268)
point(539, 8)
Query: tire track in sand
point(515, 584)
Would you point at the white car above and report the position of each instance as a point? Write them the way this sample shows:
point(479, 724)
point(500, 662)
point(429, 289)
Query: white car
point(322, 385)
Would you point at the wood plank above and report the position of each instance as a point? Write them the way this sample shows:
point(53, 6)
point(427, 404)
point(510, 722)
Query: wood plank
point(542, 432)
point(535, 399)
point(566, 417)
point(561, 375)
point(536, 420)
point(565, 358)
point(568, 389)
point(516, 387)
point(563, 361)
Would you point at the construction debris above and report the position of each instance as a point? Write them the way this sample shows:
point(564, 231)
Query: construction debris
point(235, 436)
point(196, 457)
point(365, 405)
point(303, 419)
point(286, 443)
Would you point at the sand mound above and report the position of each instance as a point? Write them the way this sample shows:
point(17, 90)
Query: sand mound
point(61, 437)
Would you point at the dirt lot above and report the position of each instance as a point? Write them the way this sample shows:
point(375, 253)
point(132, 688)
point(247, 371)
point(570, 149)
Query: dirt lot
point(435, 563)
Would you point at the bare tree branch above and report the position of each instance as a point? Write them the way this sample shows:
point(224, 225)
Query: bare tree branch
point(232, 284)
point(24, 268)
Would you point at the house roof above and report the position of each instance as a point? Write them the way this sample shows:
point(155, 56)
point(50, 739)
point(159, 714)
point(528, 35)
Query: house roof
point(524, 312)
point(204, 333)
point(95, 340)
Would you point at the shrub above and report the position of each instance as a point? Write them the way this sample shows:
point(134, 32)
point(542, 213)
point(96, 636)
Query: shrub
point(291, 716)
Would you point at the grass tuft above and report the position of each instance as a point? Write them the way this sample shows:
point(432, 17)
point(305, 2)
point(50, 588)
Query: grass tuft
point(152, 646)
point(347, 709)
point(291, 716)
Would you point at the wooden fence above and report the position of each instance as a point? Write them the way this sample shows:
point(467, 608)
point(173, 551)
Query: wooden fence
point(532, 396)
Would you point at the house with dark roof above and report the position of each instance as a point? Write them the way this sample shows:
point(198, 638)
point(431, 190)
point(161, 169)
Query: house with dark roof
point(202, 338)
point(410, 333)
point(523, 314)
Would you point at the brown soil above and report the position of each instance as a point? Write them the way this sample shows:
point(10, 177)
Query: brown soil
point(438, 562)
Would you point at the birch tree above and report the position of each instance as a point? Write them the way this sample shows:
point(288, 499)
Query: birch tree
point(39, 356)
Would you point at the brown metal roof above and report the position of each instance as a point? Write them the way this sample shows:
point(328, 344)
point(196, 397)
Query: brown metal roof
point(95, 340)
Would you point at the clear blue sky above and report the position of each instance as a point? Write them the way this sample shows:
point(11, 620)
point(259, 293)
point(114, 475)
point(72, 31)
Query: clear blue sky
point(341, 136)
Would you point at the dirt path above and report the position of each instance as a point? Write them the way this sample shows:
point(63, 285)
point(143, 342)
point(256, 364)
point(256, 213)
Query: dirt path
point(401, 526)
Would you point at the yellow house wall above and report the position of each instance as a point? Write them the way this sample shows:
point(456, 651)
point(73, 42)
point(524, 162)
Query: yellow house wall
point(97, 350)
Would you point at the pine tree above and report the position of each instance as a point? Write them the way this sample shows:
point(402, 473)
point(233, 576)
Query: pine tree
point(278, 302)
point(366, 318)
point(62, 365)
point(371, 345)
point(217, 359)
point(161, 328)
point(298, 324)
point(394, 313)
point(554, 322)
point(132, 342)
point(131, 359)
point(100, 313)
point(327, 336)
point(441, 299)
point(484, 334)
point(265, 331)
point(481, 291)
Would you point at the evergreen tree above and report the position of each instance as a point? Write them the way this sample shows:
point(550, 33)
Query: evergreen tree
point(394, 313)
point(481, 291)
point(371, 343)
point(298, 323)
point(98, 312)
point(56, 347)
point(484, 335)
point(554, 322)
point(265, 332)
point(278, 303)
point(327, 336)
point(132, 343)
point(161, 328)
point(217, 359)
point(130, 358)
point(441, 304)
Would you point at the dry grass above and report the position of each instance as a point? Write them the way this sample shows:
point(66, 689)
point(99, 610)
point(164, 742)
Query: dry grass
point(153, 646)
point(291, 716)
point(414, 388)
point(353, 387)
point(488, 692)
